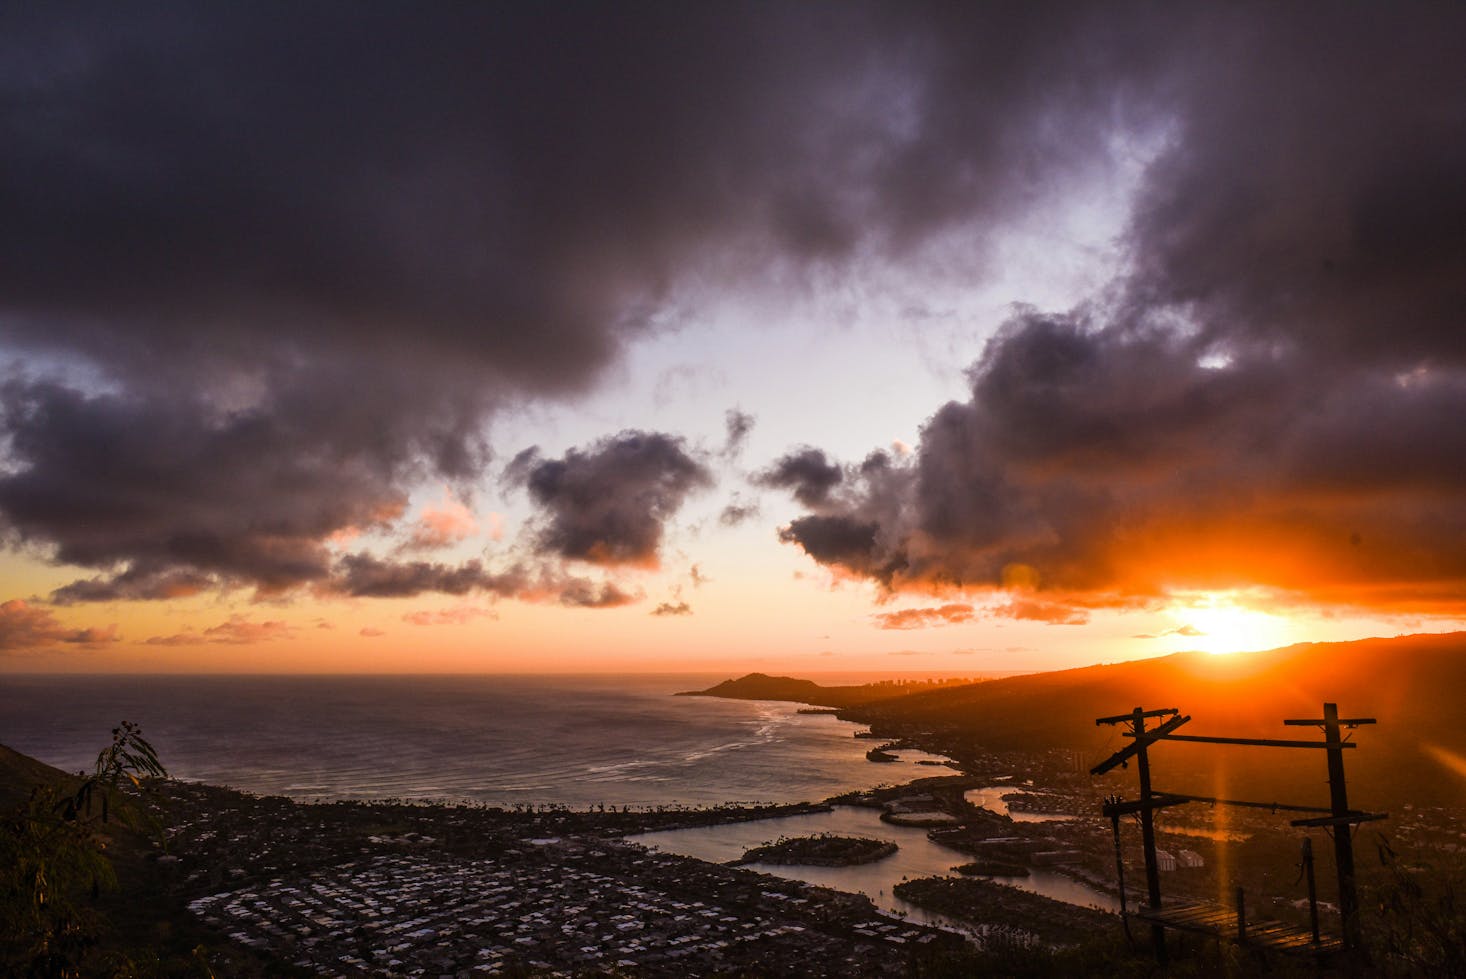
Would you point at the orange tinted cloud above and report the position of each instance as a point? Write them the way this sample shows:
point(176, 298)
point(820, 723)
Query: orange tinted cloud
point(241, 630)
point(238, 630)
point(1189, 631)
point(24, 626)
point(1054, 613)
point(923, 618)
point(443, 525)
point(458, 615)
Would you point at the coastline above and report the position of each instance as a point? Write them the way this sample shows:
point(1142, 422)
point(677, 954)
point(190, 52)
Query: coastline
point(577, 741)
point(237, 864)
point(1064, 841)
point(230, 851)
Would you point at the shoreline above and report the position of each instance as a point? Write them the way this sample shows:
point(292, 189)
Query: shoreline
point(970, 768)
point(245, 865)
point(638, 746)
point(230, 849)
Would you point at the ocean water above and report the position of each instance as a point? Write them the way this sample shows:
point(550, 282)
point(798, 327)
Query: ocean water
point(571, 740)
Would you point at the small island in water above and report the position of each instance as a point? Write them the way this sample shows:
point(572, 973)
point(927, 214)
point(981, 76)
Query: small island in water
point(822, 850)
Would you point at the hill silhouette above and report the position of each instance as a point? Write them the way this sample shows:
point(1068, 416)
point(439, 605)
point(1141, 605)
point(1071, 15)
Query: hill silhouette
point(19, 774)
point(761, 686)
point(1413, 685)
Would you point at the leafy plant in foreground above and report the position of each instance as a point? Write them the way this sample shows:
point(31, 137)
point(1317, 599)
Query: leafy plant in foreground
point(1420, 928)
point(53, 860)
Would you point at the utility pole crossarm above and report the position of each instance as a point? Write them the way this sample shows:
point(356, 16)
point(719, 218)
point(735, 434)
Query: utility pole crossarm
point(1123, 718)
point(1126, 753)
point(1158, 800)
point(1347, 819)
point(1270, 806)
point(1320, 722)
point(1158, 735)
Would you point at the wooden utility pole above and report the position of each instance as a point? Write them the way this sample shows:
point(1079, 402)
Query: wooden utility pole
point(1341, 819)
point(1343, 832)
point(1147, 803)
point(1147, 834)
point(1312, 887)
point(1110, 804)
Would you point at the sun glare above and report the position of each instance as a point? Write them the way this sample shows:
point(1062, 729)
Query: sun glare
point(1218, 624)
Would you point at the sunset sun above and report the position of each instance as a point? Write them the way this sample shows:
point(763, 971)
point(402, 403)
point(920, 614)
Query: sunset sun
point(1219, 624)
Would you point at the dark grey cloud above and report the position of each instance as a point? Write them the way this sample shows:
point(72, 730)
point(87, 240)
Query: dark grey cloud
point(368, 576)
point(269, 269)
point(514, 188)
point(136, 583)
point(279, 265)
point(607, 504)
point(176, 491)
point(584, 593)
point(1312, 196)
point(805, 472)
point(672, 609)
point(839, 539)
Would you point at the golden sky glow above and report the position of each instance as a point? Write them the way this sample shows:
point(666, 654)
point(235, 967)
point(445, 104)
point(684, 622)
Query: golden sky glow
point(1218, 623)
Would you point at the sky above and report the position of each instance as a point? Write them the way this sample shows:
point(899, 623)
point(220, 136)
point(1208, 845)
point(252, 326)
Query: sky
point(946, 338)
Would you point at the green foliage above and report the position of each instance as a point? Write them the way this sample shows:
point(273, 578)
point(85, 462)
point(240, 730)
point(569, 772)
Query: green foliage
point(47, 866)
point(1420, 925)
point(53, 863)
point(129, 757)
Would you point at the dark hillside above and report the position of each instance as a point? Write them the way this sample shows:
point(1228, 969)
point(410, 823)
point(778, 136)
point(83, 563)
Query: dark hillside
point(1413, 685)
point(19, 774)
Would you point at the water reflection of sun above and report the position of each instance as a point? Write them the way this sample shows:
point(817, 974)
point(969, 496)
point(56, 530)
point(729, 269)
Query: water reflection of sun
point(1218, 623)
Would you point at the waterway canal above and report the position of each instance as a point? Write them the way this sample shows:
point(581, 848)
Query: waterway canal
point(917, 856)
point(991, 799)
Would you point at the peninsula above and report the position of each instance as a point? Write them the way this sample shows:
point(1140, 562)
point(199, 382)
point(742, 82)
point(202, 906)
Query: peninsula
point(1417, 682)
point(761, 686)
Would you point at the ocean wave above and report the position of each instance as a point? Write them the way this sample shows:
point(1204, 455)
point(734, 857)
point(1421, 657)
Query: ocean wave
point(620, 766)
point(719, 749)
